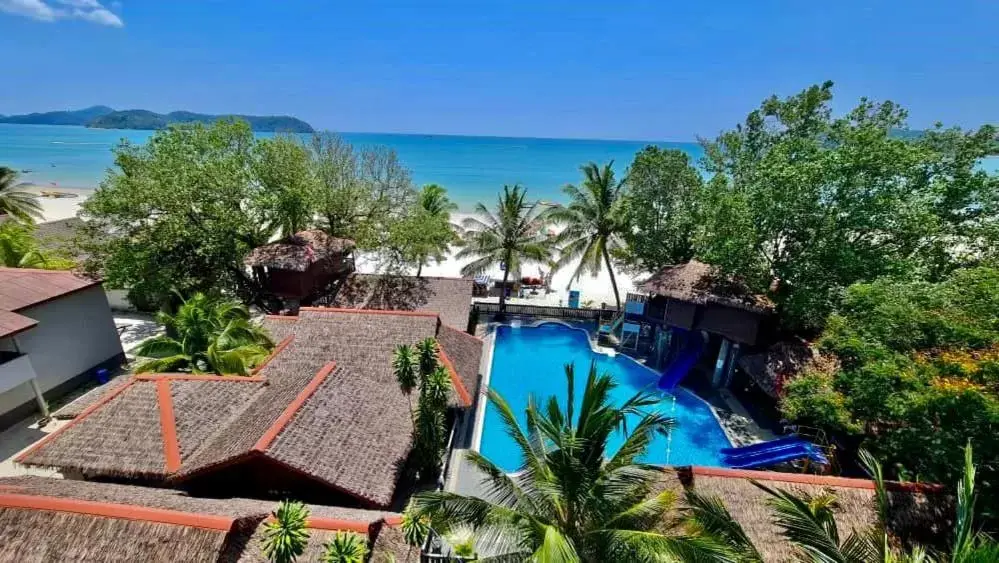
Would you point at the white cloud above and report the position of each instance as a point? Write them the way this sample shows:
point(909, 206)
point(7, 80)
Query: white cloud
point(52, 10)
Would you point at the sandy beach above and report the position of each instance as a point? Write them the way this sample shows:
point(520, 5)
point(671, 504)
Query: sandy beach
point(593, 291)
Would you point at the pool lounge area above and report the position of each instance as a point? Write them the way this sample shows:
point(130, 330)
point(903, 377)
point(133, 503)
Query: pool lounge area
point(528, 361)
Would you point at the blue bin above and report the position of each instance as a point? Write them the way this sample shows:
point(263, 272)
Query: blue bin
point(103, 376)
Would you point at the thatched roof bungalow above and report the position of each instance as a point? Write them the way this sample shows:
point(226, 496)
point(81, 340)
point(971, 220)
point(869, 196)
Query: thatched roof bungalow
point(323, 419)
point(45, 519)
point(297, 266)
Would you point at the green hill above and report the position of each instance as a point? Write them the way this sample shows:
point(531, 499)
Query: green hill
point(103, 117)
point(71, 117)
point(144, 119)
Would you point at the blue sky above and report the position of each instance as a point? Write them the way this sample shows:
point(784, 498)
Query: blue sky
point(658, 70)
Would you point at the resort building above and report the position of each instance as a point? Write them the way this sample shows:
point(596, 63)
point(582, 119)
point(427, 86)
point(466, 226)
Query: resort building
point(56, 329)
point(299, 267)
point(322, 420)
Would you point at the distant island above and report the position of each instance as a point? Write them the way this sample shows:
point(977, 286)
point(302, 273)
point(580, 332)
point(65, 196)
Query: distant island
point(104, 117)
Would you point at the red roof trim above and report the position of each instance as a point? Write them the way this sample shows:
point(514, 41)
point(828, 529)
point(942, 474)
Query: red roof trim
point(282, 317)
point(86, 412)
point(277, 350)
point(810, 479)
point(265, 441)
point(168, 425)
point(370, 311)
point(120, 511)
point(393, 520)
point(195, 377)
point(335, 524)
point(465, 334)
point(455, 380)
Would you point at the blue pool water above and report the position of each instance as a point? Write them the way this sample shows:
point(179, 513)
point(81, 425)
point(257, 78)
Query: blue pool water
point(529, 361)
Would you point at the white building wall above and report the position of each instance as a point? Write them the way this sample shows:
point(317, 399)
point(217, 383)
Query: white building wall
point(74, 333)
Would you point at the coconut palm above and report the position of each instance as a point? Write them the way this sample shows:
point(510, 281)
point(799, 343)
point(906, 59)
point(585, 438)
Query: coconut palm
point(572, 499)
point(19, 249)
point(345, 547)
point(285, 535)
point(808, 523)
point(594, 223)
point(206, 335)
point(433, 199)
point(19, 204)
point(509, 235)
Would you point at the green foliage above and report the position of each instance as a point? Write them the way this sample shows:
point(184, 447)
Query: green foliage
point(425, 233)
point(570, 500)
point(415, 528)
point(285, 535)
point(360, 194)
point(183, 210)
point(206, 335)
point(818, 203)
point(664, 192)
point(405, 366)
point(178, 213)
point(345, 547)
point(920, 362)
point(283, 169)
point(511, 235)
point(594, 224)
point(431, 410)
point(19, 249)
point(21, 205)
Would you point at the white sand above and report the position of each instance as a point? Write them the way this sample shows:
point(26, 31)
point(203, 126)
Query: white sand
point(56, 208)
point(593, 290)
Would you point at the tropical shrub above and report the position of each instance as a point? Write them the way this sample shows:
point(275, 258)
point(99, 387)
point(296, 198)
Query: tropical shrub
point(206, 335)
point(285, 534)
point(345, 547)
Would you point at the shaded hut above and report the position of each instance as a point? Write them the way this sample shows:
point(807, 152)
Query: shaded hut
point(695, 300)
point(295, 268)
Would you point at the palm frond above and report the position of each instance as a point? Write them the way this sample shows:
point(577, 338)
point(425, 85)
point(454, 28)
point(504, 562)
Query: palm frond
point(710, 516)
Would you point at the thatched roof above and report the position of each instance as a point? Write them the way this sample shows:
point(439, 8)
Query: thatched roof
point(700, 283)
point(915, 512)
point(451, 298)
point(46, 519)
point(782, 362)
point(299, 251)
point(326, 406)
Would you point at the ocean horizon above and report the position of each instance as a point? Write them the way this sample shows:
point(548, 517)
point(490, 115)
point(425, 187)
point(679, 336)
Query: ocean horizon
point(473, 169)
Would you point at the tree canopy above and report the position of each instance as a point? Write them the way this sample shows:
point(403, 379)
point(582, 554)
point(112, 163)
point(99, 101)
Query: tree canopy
point(810, 203)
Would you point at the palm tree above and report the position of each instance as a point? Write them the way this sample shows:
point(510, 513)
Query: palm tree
point(405, 367)
point(433, 199)
point(808, 522)
point(594, 223)
point(571, 500)
point(206, 335)
point(19, 249)
point(19, 204)
point(345, 547)
point(508, 236)
point(285, 535)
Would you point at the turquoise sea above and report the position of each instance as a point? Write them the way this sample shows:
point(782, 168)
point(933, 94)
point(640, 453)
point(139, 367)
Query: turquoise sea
point(473, 169)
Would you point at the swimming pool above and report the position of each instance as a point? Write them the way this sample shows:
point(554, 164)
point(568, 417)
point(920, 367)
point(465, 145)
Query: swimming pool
point(529, 361)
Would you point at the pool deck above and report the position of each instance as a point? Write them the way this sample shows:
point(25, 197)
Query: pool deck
point(463, 478)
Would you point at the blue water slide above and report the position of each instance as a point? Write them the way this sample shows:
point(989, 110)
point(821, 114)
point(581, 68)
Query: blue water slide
point(762, 446)
point(682, 365)
point(780, 455)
